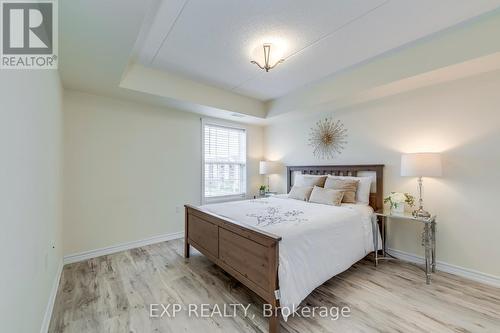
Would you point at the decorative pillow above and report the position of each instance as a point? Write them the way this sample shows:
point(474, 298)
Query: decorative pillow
point(326, 196)
point(309, 180)
point(348, 186)
point(300, 192)
point(364, 186)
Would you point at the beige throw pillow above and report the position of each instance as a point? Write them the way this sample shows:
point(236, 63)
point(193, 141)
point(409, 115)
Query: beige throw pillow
point(300, 192)
point(309, 180)
point(363, 190)
point(348, 186)
point(326, 196)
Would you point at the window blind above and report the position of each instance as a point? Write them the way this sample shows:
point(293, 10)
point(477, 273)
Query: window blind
point(224, 161)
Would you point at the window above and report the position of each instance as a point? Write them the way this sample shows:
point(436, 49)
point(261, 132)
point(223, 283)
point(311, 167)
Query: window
point(224, 162)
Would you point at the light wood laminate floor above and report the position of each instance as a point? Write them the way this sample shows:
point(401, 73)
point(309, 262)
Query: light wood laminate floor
point(113, 293)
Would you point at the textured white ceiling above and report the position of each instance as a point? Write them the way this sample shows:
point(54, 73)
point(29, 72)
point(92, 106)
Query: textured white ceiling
point(214, 41)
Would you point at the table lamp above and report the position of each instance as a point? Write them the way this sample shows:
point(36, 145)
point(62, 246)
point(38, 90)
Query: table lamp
point(421, 165)
point(269, 168)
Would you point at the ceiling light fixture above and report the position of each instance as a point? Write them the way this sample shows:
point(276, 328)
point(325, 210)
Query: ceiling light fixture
point(267, 51)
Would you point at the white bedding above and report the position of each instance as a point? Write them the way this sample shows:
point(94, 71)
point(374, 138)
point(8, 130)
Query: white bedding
point(318, 241)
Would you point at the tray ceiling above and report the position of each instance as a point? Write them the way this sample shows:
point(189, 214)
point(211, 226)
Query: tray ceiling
point(214, 41)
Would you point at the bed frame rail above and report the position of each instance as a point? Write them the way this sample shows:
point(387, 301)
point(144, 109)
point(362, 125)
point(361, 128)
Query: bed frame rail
point(250, 256)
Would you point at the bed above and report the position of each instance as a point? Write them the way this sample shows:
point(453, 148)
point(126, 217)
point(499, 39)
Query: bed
point(277, 246)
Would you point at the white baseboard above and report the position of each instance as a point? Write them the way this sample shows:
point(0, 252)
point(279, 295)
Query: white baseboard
point(449, 268)
point(92, 254)
point(76, 257)
point(52, 299)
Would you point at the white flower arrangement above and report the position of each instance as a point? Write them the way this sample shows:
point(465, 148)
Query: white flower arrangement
point(397, 198)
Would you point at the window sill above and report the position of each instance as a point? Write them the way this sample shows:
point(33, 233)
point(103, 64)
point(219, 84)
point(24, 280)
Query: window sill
point(224, 198)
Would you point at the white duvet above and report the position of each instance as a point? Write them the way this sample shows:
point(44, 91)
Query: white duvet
point(318, 241)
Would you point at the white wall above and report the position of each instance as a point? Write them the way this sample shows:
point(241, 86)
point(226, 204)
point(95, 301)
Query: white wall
point(30, 195)
point(128, 166)
point(460, 119)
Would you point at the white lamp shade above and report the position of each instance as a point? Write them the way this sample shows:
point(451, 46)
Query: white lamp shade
point(421, 165)
point(268, 167)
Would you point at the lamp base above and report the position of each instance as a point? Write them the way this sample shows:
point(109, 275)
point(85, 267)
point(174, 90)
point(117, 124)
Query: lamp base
point(421, 213)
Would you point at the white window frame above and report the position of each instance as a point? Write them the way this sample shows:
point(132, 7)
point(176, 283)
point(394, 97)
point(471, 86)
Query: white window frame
point(222, 198)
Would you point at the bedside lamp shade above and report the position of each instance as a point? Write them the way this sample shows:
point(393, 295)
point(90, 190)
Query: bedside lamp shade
point(421, 165)
point(269, 168)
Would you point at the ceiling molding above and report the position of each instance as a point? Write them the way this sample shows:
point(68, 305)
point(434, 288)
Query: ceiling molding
point(158, 29)
point(169, 31)
point(172, 86)
point(471, 68)
point(470, 41)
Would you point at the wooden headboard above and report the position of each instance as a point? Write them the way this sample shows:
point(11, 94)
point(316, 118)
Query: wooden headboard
point(376, 198)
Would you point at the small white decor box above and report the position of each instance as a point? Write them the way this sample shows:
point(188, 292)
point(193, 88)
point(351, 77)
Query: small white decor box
point(398, 208)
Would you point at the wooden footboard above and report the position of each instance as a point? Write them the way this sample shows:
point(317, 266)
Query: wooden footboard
point(249, 255)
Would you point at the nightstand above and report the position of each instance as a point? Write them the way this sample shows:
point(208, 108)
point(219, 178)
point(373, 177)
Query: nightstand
point(428, 237)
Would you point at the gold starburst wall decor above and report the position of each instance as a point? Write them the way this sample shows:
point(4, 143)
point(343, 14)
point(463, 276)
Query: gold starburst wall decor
point(327, 138)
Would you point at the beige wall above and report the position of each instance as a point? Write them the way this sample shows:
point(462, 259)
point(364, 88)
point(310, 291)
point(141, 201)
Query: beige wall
point(30, 195)
point(460, 119)
point(128, 167)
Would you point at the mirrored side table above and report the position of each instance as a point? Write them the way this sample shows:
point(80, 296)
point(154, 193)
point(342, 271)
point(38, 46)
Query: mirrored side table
point(428, 237)
point(265, 195)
